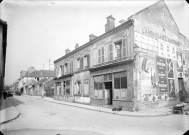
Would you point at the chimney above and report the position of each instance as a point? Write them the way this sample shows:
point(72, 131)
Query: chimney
point(110, 23)
point(67, 51)
point(76, 46)
point(91, 37)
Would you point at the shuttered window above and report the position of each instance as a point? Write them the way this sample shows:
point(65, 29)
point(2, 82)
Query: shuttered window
point(110, 52)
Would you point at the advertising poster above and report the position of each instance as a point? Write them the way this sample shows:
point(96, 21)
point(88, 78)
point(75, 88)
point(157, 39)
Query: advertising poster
point(170, 68)
point(171, 87)
point(179, 62)
point(162, 74)
point(148, 74)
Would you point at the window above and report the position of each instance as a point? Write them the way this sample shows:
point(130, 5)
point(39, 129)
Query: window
point(86, 61)
point(98, 86)
point(78, 63)
point(120, 86)
point(118, 48)
point(62, 69)
point(66, 68)
point(86, 88)
point(67, 86)
point(77, 88)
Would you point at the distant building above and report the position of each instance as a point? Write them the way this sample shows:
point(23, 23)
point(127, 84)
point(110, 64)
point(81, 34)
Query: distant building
point(142, 63)
point(3, 45)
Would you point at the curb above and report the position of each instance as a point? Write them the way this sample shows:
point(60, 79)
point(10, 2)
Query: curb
point(115, 113)
point(18, 114)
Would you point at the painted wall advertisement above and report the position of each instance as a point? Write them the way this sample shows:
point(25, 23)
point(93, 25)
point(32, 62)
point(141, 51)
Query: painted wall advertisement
point(162, 73)
point(179, 64)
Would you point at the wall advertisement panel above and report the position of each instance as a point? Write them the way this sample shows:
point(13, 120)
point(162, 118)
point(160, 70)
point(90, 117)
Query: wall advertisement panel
point(162, 73)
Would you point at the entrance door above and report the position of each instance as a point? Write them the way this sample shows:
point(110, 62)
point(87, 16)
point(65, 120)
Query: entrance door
point(108, 93)
point(182, 92)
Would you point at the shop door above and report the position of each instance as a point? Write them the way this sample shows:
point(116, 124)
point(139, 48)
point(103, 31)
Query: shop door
point(108, 93)
point(182, 92)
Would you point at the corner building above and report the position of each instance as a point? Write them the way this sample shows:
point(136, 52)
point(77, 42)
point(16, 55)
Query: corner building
point(142, 63)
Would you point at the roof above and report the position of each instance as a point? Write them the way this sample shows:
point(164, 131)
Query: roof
point(41, 81)
point(42, 73)
point(125, 24)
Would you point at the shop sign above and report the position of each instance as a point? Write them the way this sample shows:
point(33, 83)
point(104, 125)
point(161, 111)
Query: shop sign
point(162, 73)
point(170, 68)
point(155, 35)
point(171, 87)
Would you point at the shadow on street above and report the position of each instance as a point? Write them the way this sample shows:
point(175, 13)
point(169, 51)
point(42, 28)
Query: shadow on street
point(9, 102)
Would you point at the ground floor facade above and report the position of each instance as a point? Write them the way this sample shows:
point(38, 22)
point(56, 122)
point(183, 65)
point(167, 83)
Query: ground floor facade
point(149, 81)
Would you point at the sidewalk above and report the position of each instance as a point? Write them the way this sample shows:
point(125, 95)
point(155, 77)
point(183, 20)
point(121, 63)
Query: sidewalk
point(147, 113)
point(7, 111)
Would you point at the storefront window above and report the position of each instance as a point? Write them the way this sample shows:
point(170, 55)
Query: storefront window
point(67, 87)
point(98, 86)
point(120, 86)
point(86, 88)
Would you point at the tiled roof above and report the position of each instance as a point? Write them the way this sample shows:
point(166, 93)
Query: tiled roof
point(42, 73)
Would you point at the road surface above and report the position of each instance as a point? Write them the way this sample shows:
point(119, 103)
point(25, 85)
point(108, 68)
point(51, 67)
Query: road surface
point(47, 118)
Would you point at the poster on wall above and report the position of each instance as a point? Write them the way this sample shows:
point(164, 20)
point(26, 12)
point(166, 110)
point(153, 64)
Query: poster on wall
point(171, 85)
point(148, 74)
point(179, 64)
point(170, 68)
point(166, 50)
point(162, 73)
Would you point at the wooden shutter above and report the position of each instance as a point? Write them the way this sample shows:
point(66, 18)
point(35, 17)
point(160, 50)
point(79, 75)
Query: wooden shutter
point(124, 43)
point(88, 60)
point(99, 56)
point(110, 52)
point(102, 54)
point(81, 63)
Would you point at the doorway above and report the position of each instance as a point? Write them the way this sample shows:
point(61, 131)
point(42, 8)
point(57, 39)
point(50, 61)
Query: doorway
point(108, 93)
point(182, 91)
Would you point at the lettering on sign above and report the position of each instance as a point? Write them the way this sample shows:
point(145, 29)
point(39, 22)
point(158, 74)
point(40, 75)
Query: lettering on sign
point(162, 73)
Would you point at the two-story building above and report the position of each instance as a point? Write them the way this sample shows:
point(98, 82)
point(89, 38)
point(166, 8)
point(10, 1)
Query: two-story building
point(140, 64)
point(3, 45)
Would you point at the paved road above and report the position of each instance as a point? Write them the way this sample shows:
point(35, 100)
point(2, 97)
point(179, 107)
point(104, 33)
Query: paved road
point(42, 117)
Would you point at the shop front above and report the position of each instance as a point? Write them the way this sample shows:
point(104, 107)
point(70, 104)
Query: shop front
point(112, 85)
point(81, 87)
point(63, 88)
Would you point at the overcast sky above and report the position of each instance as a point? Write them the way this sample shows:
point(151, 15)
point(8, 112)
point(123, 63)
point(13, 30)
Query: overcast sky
point(42, 30)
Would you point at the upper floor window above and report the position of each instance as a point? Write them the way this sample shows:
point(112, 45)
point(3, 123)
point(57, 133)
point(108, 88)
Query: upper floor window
point(118, 48)
point(62, 69)
point(78, 63)
point(86, 61)
point(66, 67)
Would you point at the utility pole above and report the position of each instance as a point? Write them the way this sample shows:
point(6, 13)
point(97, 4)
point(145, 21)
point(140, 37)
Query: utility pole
point(49, 64)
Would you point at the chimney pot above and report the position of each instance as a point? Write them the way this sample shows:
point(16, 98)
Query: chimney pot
point(67, 51)
point(91, 37)
point(76, 46)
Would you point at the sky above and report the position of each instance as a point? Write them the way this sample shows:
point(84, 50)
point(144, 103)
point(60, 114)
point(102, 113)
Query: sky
point(39, 30)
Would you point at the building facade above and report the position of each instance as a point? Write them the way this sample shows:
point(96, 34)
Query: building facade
point(3, 45)
point(140, 64)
